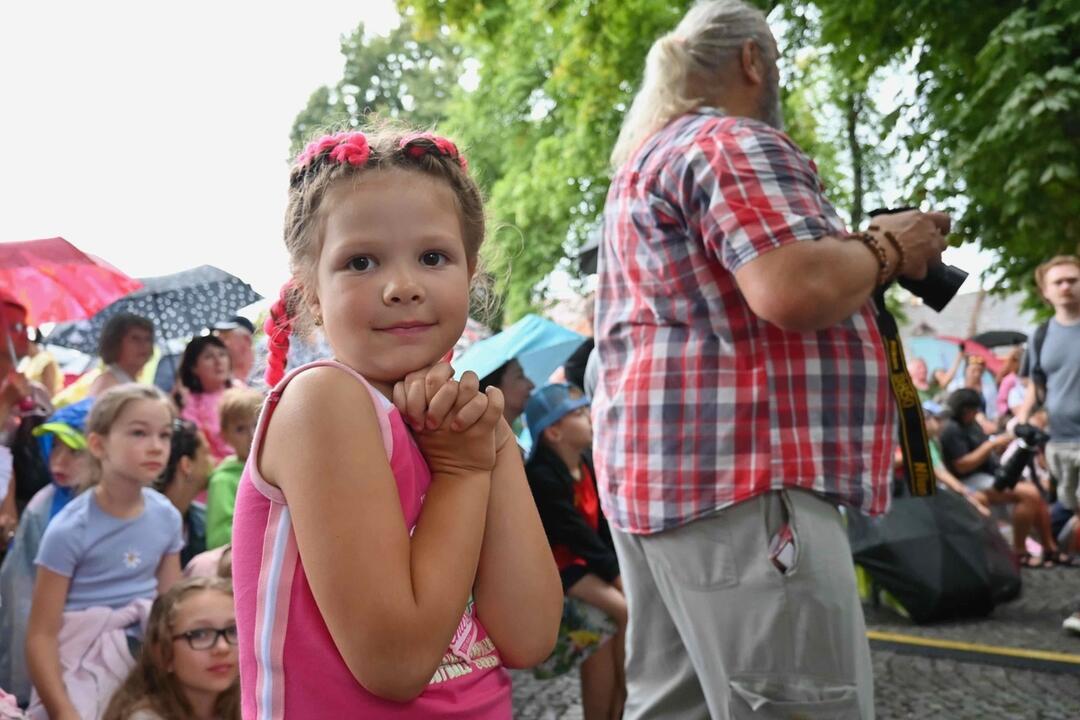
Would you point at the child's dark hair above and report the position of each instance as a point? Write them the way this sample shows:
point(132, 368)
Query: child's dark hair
point(185, 443)
point(495, 377)
point(963, 399)
point(191, 356)
point(320, 167)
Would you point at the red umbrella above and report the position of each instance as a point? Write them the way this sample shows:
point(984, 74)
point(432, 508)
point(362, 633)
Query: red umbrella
point(57, 282)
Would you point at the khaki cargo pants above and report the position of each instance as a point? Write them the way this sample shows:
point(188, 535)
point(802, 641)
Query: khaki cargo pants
point(718, 631)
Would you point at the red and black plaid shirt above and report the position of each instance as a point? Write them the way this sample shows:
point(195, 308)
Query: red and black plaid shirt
point(701, 404)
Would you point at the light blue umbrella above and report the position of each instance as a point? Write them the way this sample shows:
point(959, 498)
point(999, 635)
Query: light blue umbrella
point(539, 345)
point(939, 354)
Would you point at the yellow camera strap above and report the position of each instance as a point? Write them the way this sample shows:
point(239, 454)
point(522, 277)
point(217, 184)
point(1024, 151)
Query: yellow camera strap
point(913, 438)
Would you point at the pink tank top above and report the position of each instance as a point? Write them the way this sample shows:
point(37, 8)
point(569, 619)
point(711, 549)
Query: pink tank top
point(289, 665)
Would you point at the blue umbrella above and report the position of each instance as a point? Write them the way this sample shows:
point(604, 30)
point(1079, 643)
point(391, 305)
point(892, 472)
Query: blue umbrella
point(939, 354)
point(539, 345)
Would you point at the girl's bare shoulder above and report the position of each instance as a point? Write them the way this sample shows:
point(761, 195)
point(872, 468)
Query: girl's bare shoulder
point(321, 411)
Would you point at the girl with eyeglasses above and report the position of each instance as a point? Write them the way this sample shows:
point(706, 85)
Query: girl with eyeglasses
point(187, 667)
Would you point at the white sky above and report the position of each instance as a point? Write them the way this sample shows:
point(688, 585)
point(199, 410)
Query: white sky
point(156, 135)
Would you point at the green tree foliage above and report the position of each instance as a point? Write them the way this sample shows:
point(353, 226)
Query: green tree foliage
point(554, 82)
point(992, 130)
point(989, 129)
point(402, 75)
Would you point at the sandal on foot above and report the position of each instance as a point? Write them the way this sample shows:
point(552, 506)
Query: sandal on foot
point(1027, 560)
point(1059, 558)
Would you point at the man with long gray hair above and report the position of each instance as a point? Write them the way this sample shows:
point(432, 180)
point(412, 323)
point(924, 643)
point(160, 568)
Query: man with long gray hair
point(744, 390)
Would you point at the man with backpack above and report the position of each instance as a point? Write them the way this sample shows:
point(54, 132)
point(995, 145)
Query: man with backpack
point(1051, 369)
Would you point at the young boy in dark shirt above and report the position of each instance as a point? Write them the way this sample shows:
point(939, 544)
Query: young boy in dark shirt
point(563, 483)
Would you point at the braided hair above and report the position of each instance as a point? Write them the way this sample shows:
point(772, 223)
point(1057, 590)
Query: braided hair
point(322, 165)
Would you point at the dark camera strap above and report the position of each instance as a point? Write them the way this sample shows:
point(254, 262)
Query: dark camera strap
point(913, 438)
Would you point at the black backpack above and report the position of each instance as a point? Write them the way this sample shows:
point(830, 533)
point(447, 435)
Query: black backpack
point(1038, 375)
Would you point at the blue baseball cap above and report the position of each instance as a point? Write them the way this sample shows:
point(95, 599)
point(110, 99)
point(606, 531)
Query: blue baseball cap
point(932, 408)
point(547, 406)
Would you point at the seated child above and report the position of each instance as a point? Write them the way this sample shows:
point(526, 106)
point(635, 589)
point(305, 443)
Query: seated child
point(63, 445)
point(563, 483)
point(185, 478)
point(187, 667)
point(103, 558)
point(211, 563)
point(239, 413)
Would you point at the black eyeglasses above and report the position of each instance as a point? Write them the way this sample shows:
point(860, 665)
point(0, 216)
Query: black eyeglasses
point(206, 638)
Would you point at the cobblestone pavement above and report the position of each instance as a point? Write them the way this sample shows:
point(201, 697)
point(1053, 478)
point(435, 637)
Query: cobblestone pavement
point(909, 686)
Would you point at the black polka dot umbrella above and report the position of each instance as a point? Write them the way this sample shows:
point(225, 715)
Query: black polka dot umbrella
point(180, 305)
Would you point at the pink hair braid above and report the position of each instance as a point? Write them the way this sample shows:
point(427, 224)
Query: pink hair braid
point(278, 327)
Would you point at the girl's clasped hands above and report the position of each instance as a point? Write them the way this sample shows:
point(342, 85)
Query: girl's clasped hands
point(457, 427)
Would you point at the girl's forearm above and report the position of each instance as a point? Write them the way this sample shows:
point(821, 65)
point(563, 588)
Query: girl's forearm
point(396, 657)
point(445, 549)
point(43, 659)
point(518, 591)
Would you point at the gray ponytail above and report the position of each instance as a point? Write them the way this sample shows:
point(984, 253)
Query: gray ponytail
point(701, 46)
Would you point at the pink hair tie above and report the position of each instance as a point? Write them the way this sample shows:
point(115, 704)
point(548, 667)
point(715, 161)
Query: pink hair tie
point(411, 144)
point(352, 149)
point(344, 147)
point(278, 327)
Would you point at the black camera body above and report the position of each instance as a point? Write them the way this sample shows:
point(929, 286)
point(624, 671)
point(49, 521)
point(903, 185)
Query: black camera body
point(942, 281)
point(1030, 440)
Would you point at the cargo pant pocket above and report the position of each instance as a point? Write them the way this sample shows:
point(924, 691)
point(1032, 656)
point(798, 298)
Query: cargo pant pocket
point(790, 697)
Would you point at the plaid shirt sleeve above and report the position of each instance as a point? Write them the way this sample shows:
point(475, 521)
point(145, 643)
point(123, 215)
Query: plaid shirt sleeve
point(753, 191)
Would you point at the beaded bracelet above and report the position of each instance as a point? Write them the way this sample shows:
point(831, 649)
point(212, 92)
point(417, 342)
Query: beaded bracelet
point(871, 242)
point(900, 255)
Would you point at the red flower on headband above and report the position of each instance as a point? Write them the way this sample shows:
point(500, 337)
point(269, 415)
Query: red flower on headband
point(315, 148)
point(344, 147)
point(444, 147)
point(352, 148)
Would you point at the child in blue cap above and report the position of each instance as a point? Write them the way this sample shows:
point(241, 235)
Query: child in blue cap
point(63, 447)
point(563, 483)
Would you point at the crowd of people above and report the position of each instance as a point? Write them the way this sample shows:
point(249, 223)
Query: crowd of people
point(107, 508)
point(977, 421)
point(217, 542)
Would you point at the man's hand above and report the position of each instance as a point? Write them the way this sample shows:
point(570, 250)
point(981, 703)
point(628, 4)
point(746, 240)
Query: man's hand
point(921, 235)
point(1000, 442)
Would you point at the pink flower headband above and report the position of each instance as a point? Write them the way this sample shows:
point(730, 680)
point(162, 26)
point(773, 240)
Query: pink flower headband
point(344, 147)
point(352, 148)
point(418, 144)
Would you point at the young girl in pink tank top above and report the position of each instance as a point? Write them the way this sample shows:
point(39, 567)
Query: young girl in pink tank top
point(388, 560)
